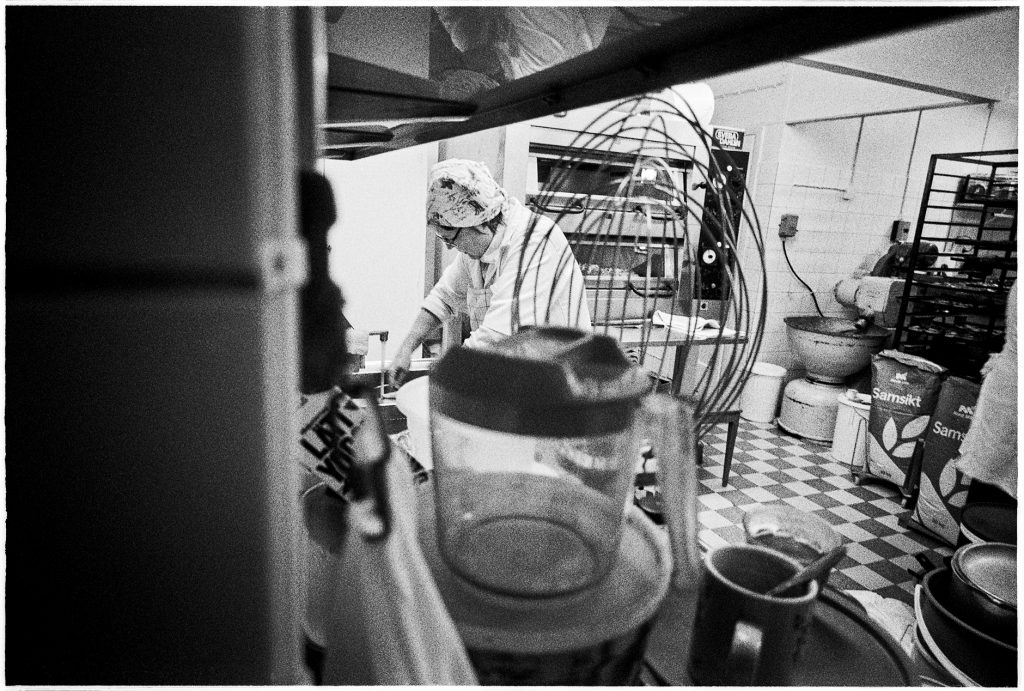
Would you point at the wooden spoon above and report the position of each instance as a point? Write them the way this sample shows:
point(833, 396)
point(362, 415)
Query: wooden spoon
point(812, 571)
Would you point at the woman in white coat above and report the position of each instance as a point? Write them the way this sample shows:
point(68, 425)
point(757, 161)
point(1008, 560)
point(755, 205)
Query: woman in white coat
point(514, 268)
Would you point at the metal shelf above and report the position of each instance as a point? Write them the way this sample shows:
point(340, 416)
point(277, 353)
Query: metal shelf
point(702, 43)
point(989, 203)
point(954, 313)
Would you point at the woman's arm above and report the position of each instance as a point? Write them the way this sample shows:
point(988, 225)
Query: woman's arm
point(447, 298)
point(422, 326)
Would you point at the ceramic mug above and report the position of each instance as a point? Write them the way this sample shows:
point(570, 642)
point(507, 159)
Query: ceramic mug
point(742, 636)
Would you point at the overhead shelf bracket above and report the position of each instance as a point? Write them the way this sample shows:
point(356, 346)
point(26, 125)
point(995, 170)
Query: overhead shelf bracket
point(359, 93)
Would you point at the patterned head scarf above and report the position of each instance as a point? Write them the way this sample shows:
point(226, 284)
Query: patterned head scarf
point(462, 193)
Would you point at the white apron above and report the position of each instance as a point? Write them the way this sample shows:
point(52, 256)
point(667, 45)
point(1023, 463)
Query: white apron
point(478, 299)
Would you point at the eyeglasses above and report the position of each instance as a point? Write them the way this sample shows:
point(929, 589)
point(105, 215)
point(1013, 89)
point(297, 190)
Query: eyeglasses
point(449, 242)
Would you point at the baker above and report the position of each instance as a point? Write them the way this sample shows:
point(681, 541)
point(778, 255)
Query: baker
point(493, 233)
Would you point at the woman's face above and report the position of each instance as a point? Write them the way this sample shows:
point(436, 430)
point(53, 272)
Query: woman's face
point(471, 240)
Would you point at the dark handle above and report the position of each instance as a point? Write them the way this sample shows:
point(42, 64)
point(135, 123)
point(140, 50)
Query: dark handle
point(912, 481)
point(924, 560)
point(928, 564)
point(573, 209)
point(744, 655)
point(666, 289)
point(675, 215)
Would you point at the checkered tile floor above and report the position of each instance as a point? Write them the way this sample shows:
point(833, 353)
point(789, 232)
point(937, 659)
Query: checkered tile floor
point(769, 465)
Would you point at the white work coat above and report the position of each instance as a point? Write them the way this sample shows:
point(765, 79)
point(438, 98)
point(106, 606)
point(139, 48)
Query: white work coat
point(551, 288)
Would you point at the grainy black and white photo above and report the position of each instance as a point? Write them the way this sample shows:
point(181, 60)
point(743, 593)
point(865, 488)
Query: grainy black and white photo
point(654, 344)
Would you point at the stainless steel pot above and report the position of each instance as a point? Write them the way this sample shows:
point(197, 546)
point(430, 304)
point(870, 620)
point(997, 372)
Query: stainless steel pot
point(983, 590)
point(986, 660)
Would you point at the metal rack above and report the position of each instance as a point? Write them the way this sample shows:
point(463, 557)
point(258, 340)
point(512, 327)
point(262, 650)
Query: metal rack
point(962, 262)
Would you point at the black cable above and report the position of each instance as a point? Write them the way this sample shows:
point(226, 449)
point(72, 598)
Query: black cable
point(809, 289)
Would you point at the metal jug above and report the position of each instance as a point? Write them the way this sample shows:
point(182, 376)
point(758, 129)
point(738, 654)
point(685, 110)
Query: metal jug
point(536, 443)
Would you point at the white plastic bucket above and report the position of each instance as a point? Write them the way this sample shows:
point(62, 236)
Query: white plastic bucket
point(850, 440)
point(760, 397)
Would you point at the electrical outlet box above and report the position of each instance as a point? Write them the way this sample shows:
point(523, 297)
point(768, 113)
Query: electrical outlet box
point(787, 227)
point(900, 231)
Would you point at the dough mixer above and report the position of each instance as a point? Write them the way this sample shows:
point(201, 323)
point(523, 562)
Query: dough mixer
point(830, 349)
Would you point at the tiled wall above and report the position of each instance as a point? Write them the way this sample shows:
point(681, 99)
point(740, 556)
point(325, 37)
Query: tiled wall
point(840, 223)
point(847, 181)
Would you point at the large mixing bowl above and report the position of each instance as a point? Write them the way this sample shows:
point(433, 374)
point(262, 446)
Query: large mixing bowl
point(832, 348)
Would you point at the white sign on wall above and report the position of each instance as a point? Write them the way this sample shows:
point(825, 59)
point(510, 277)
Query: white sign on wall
point(728, 138)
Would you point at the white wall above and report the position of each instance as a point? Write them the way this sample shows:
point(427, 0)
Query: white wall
point(976, 54)
point(838, 227)
point(818, 94)
point(379, 244)
point(974, 128)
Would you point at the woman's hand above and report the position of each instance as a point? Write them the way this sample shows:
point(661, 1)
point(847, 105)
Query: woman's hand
point(425, 323)
point(399, 368)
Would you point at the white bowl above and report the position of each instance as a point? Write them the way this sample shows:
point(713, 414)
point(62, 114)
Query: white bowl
point(413, 399)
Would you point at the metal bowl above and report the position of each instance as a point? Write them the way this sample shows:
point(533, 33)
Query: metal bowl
point(831, 348)
point(984, 588)
point(981, 657)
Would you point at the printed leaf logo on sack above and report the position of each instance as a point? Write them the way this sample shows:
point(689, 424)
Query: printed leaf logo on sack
point(933, 514)
point(891, 436)
point(948, 485)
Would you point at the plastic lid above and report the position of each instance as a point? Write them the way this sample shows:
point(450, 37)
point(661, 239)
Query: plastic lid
point(855, 399)
point(768, 369)
point(541, 381)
